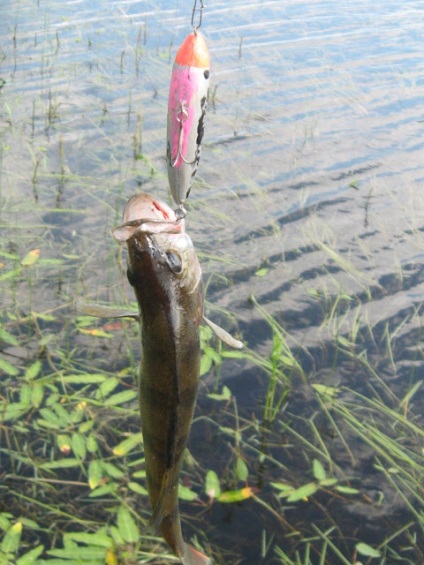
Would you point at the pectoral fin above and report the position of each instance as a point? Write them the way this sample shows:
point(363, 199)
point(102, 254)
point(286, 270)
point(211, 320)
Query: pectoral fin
point(99, 311)
point(223, 335)
point(193, 556)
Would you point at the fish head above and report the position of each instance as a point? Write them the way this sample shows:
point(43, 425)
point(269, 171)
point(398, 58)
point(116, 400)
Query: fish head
point(161, 253)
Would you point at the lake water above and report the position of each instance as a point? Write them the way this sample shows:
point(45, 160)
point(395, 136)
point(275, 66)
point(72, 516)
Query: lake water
point(308, 197)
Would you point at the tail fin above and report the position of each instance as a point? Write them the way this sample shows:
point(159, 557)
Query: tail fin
point(193, 556)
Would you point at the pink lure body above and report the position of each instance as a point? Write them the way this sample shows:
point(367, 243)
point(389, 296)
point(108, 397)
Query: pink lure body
point(186, 113)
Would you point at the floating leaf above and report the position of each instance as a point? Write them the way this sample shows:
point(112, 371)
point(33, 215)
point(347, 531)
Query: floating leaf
point(186, 494)
point(47, 424)
point(107, 387)
point(212, 486)
point(121, 397)
point(104, 490)
point(225, 394)
point(7, 337)
point(79, 554)
point(84, 379)
point(8, 368)
point(62, 413)
point(91, 444)
point(328, 482)
point(346, 490)
point(112, 471)
point(318, 470)
point(127, 526)
point(86, 426)
point(98, 538)
point(95, 474)
point(25, 395)
point(261, 272)
point(284, 488)
point(64, 443)
point(30, 258)
point(12, 538)
point(43, 316)
point(28, 523)
point(45, 340)
point(242, 471)
point(139, 489)
point(116, 535)
point(128, 444)
point(214, 355)
point(10, 274)
point(50, 417)
point(229, 496)
point(52, 399)
point(205, 365)
point(61, 464)
point(367, 550)
point(33, 370)
point(4, 521)
point(30, 557)
point(12, 411)
point(303, 492)
point(78, 446)
point(37, 394)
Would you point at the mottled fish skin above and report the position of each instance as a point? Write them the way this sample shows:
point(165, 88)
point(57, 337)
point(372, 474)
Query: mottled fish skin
point(187, 103)
point(165, 273)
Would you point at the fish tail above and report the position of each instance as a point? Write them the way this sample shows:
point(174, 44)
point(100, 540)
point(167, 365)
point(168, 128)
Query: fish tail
point(193, 556)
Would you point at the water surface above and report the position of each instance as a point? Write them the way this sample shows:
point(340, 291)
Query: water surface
point(308, 197)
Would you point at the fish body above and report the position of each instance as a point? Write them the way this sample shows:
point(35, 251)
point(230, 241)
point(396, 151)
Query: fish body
point(187, 103)
point(165, 273)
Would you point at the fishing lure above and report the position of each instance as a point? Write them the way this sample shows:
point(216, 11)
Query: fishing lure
point(186, 112)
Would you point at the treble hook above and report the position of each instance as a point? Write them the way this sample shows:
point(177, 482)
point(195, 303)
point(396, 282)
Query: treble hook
point(202, 6)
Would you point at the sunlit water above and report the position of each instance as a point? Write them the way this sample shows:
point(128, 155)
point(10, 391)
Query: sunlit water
point(309, 187)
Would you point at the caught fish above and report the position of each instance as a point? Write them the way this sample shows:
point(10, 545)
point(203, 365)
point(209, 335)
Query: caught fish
point(186, 114)
point(165, 273)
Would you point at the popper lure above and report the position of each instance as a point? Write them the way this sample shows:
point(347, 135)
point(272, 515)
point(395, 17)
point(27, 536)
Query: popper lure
point(186, 112)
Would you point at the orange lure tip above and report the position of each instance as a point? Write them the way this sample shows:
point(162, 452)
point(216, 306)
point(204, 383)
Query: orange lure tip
point(193, 51)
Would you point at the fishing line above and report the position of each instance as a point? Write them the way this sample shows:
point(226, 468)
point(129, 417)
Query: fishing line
point(201, 8)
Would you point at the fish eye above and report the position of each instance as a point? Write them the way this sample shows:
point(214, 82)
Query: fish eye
point(206, 73)
point(174, 262)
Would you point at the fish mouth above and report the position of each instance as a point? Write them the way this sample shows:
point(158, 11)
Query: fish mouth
point(147, 226)
point(166, 226)
point(145, 215)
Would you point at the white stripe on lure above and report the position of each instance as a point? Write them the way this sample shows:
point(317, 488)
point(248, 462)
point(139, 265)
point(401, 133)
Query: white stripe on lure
point(188, 95)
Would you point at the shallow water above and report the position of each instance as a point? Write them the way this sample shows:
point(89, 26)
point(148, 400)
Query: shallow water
point(308, 194)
